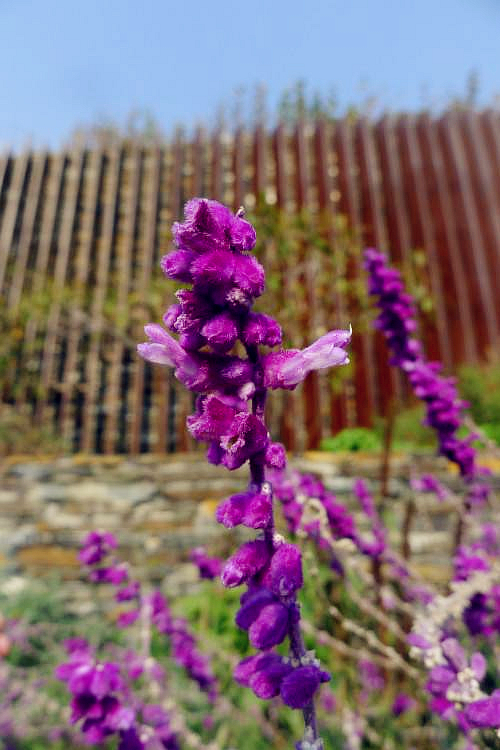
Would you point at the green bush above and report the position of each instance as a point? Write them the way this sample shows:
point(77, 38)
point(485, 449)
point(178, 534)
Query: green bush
point(480, 386)
point(352, 439)
point(409, 431)
point(492, 431)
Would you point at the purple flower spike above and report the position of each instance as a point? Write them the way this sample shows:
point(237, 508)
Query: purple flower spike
point(454, 653)
point(210, 225)
point(439, 394)
point(231, 511)
point(163, 349)
point(246, 436)
point(252, 509)
point(259, 510)
point(211, 316)
point(252, 602)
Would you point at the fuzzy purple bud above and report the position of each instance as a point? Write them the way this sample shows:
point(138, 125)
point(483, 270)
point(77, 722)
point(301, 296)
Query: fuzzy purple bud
point(264, 673)
point(221, 332)
point(276, 456)
point(298, 688)
point(284, 576)
point(176, 265)
point(245, 563)
point(260, 329)
point(270, 627)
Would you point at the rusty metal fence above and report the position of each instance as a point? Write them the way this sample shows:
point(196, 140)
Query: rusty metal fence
point(84, 226)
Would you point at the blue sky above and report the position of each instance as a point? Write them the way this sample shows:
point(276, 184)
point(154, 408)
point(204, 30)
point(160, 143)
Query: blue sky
point(64, 63)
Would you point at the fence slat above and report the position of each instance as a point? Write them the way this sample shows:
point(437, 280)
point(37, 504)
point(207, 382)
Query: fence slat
point(64, 246)
point(71, 374)
point(50, 204)
point(362, 343)
point(388, 384)
point(481, 180)
point(259, 158)
point(124, 258)
point(472, 246)
point(93, 362)
point(423, 232)
point(33, 198)
point(312, 403)
point(455, 284)
point(136, 399)
point(333, 306)
point(14, 199)
point(5, 161)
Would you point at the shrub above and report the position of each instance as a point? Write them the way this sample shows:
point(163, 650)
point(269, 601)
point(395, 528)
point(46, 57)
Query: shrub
point(353, 439)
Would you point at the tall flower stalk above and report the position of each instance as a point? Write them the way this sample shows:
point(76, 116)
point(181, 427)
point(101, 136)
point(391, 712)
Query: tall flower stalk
point(218, 355)
point(444, 408)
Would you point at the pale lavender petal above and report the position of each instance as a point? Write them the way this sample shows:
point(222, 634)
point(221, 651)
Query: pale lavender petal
point(478, 664)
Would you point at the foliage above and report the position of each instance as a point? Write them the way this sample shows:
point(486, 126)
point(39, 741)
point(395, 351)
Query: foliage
point(409, 431)
point(352, 439)
point(19, 435)
point(409, 434)
point(479, 385)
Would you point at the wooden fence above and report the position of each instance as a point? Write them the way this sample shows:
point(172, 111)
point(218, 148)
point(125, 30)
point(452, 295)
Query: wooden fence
point(96, 222)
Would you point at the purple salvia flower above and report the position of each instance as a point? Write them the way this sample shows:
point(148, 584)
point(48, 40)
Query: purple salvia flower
point(298, 687)
point(286, 369)
point(429, 483)
point(209, 567)
point(245, 563)
point(96, 546)
point(402, 703)
point(439, 394)
point(209, 318)
point(484, 713)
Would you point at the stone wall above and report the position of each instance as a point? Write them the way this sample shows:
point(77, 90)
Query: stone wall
point(160, 508)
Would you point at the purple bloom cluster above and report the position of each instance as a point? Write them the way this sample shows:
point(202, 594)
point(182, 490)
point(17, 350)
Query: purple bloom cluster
point(210, 318)
point(95, 688)
point(443, 405)
point(482, 615)
point(454, 684)
point(104, 703)
point(402, 703)
point(184, 649)
point(371, 678)
point(209, 567)
point(213, 320)
point(296, 490)
point(455, 689)
point(428, 483)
